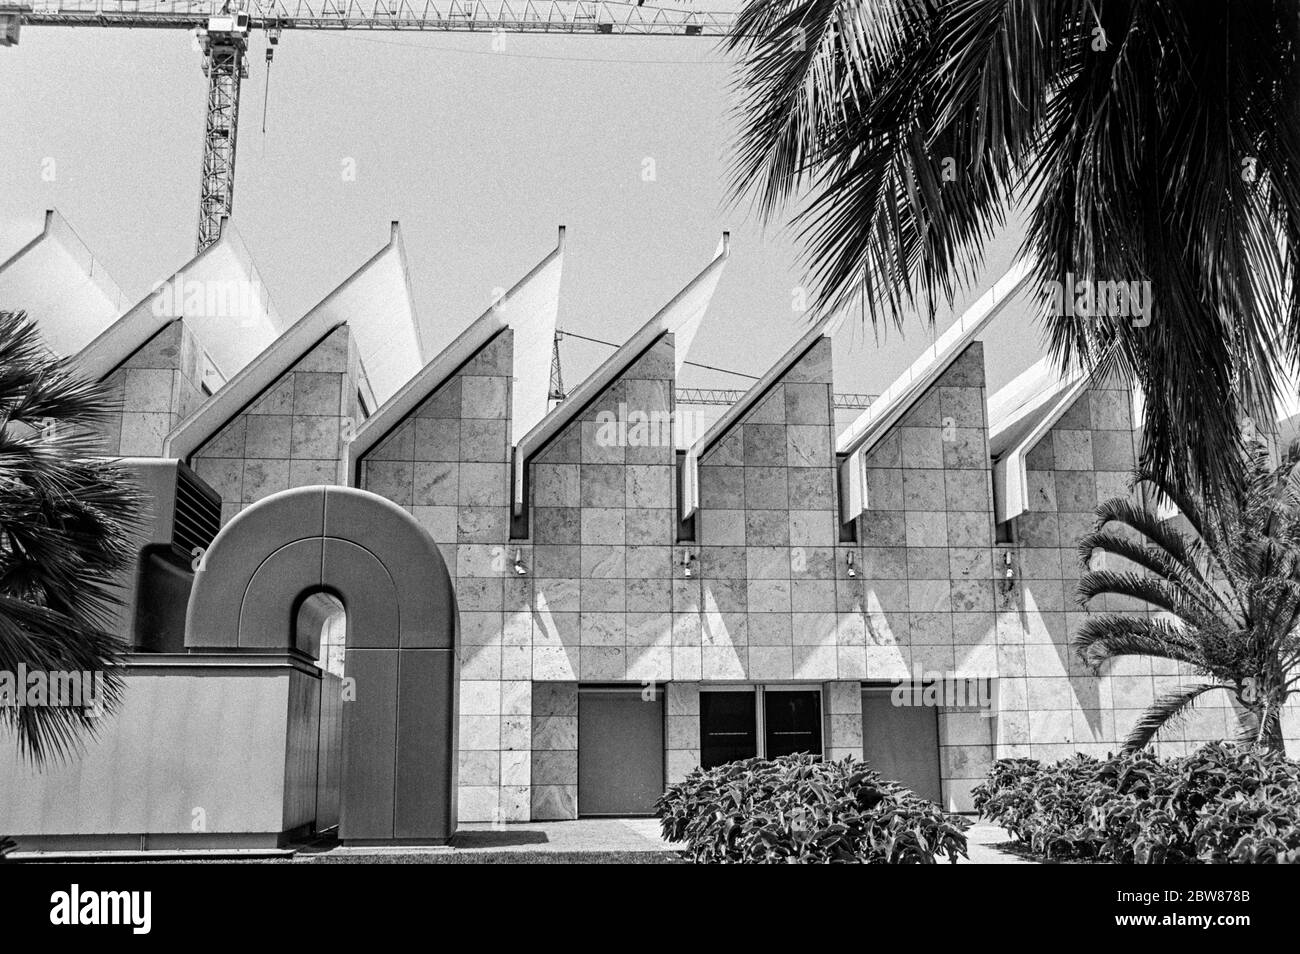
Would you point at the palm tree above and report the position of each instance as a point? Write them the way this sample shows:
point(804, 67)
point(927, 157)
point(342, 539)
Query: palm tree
point(1225, 582)
point(66, 526)
point(1145, 140)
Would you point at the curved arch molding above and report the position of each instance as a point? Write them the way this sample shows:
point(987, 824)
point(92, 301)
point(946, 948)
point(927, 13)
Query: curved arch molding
point(398, 783)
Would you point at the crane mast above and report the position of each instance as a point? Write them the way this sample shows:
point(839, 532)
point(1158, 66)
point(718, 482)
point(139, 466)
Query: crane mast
point(225, 45)
point(224, 27)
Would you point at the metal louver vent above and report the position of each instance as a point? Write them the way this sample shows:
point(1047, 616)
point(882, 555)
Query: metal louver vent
point(198, 513)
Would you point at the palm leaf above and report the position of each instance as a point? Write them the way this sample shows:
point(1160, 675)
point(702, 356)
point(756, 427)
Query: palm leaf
point(1167, 711)
point(68, 527)
point(1105, 637)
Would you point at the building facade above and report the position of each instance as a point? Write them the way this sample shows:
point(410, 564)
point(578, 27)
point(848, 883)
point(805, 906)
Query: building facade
point(630, 605)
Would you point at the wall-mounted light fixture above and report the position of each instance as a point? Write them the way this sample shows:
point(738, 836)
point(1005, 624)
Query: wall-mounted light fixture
point(688, 558)
point(853, 570)
point(520, 569)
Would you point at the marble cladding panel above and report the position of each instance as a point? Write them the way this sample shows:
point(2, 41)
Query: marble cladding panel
point(769, 561)
point(842, 715)
point(682, 707)
point(602, 532)
point(153, 391)
point(926, 583)
point(966, 753)
point(554, 759)
point(292, 434)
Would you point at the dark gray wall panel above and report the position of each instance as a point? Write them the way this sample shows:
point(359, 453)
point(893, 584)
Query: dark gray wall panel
point(426, 743)
point(369, 744)
point(263, 614)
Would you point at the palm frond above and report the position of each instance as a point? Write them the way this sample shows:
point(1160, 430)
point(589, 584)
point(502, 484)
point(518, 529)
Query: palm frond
point(1104, 637)
point(1152, 142)
point(1167, 711)
point(68, 526)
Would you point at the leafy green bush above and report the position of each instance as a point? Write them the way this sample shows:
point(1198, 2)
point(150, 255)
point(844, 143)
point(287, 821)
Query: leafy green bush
point(1043, 806)
point(1221, 804)
point(799, 809)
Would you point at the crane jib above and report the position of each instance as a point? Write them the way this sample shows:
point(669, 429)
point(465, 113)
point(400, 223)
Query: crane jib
point(712, 18)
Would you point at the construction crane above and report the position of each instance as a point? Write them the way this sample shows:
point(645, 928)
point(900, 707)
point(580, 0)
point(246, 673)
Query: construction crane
point(224, 26)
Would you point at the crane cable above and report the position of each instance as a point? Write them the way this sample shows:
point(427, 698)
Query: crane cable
point(610, 344)
point(272, 41)
point(266, 91)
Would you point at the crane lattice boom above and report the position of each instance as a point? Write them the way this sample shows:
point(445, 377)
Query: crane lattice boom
point(457, 16)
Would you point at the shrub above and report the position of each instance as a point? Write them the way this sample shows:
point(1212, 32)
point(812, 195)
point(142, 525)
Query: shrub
point(1221, 804)
point(799, 809)
point(1044, 806)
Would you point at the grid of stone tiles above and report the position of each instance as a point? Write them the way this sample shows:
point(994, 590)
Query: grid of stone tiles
point(769, 552)
point(292, 434)
point(155, 389)
point(928, 532)
point(554, 751)
point(1052, 706)
point(602, 527)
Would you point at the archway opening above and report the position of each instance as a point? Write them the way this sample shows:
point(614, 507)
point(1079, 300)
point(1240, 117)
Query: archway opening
point(320, 629)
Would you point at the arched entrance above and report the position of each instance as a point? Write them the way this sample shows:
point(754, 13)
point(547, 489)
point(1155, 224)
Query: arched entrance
point(269, 582)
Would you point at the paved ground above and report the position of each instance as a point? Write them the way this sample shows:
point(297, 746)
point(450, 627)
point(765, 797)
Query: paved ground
point(586, 841)
point(592, 840)
point(989, 845)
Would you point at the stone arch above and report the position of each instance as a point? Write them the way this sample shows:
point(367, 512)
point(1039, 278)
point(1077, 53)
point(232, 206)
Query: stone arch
point(398, 781)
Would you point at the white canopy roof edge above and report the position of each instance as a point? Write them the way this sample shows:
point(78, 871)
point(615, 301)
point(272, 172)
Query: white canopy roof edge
point(219, 292)
point(1020, 415)
point(530, 308)
point(860, 436)
point(374, 297)
point(59, 283)
point(681, 317)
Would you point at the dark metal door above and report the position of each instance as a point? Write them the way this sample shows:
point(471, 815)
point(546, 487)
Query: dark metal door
point(902, 743)
point(620, 751)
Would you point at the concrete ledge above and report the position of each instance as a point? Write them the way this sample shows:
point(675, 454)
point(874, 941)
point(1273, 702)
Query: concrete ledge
point(117, 857)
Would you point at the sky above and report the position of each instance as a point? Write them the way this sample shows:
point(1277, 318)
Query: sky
point(479, 145)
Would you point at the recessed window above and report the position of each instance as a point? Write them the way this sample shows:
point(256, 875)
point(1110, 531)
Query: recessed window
point(765, 721)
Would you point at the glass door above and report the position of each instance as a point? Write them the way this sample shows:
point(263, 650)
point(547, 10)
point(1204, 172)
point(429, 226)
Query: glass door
point(792, 722)
point(766, 721)
point(728, 726)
